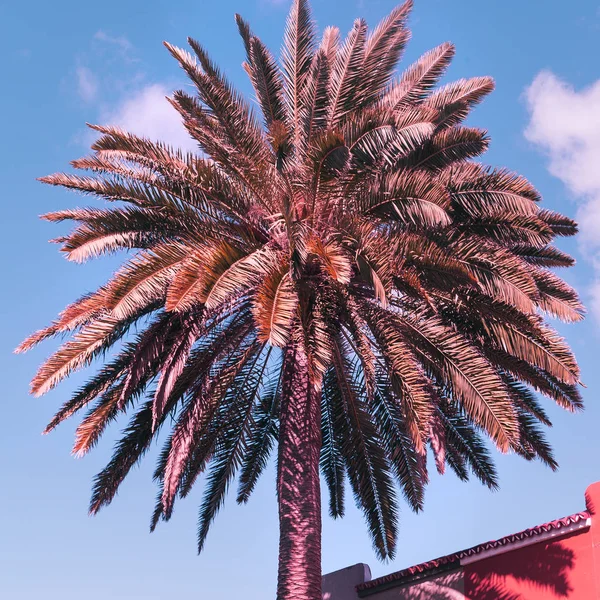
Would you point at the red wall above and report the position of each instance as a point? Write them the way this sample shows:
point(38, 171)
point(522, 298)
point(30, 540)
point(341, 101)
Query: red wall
point(568, 567)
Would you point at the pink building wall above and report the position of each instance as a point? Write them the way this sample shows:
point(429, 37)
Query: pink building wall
point(556, 561)
point(555, 569)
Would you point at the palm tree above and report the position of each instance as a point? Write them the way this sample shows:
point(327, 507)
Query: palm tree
point(339, 280)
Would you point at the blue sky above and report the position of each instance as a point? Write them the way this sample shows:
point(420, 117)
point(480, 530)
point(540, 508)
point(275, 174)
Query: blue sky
point(70, 62)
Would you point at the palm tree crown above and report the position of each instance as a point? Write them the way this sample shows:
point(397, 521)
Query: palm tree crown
point(336, 276)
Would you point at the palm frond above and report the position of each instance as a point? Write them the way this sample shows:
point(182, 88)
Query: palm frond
point(316, 98)
point(557, 297)
point(297, 54)
point(172, 367)
point(129, 450)
point(448, 146)
point(560, 224)
point(93, 388)
point(548, 257)
point(420, 77)
point(346, 72)
point(465, 444)
point(454, 101)
point(196, 415)
point(72, 317)
point(411, 388)
point(480, 191)
point(409, 197)
point(409, 465)
point(231, 443)
point(275, 307)
point(267, 83)
point(331, 461)
point(225, 104)
point(542, 348)
point(383, 50)
point(93, 339)
point(96, 421)
point(262, 435)
point(145, 278)
point(472, 380)
point(369, 476)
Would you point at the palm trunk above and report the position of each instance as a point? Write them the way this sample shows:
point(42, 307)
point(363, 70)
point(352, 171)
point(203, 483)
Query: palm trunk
point(298, 483)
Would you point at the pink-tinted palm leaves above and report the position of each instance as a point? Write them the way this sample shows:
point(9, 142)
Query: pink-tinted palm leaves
point(331, 274)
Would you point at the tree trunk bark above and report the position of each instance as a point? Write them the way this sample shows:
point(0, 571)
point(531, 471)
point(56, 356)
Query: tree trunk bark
point(298, 484)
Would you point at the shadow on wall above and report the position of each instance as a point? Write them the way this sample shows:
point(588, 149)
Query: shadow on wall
point(449, 586)
point(542, 574)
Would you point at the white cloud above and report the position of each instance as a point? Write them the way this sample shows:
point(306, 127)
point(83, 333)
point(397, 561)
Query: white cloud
point(147, 113)
point(594, 292)
point(565, 124)
point(118, 93)
point(87, 84)
point(119, 45)
point(121, 41)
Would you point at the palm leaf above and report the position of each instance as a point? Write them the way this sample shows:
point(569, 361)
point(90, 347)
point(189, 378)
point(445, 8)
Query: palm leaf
point(267, 83)
point(449, 146)
point(230, 446)
point(316, 99)
point(454, 101)
point(420, 77)
point(557, 297)
point(262, 435)
point(93, 339)
point(383, 50)
point(194, 418)
point(408, 464)
point(465, 444)
point(346, 72)
point(560, 224)
point(369, 476)
point(331, 461)
point(474, 383)
point(297, 53)
point(275, 307)
point(548, 256)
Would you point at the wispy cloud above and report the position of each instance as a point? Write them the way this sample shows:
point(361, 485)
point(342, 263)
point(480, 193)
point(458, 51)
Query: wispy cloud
point(119, 42)
point(276, 2)
point(107, 65)
point(118, 92)
point(87, 84)
point(565, 124)
point(148, 113)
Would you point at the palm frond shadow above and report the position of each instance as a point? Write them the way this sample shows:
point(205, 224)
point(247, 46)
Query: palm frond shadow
point(513, 576)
